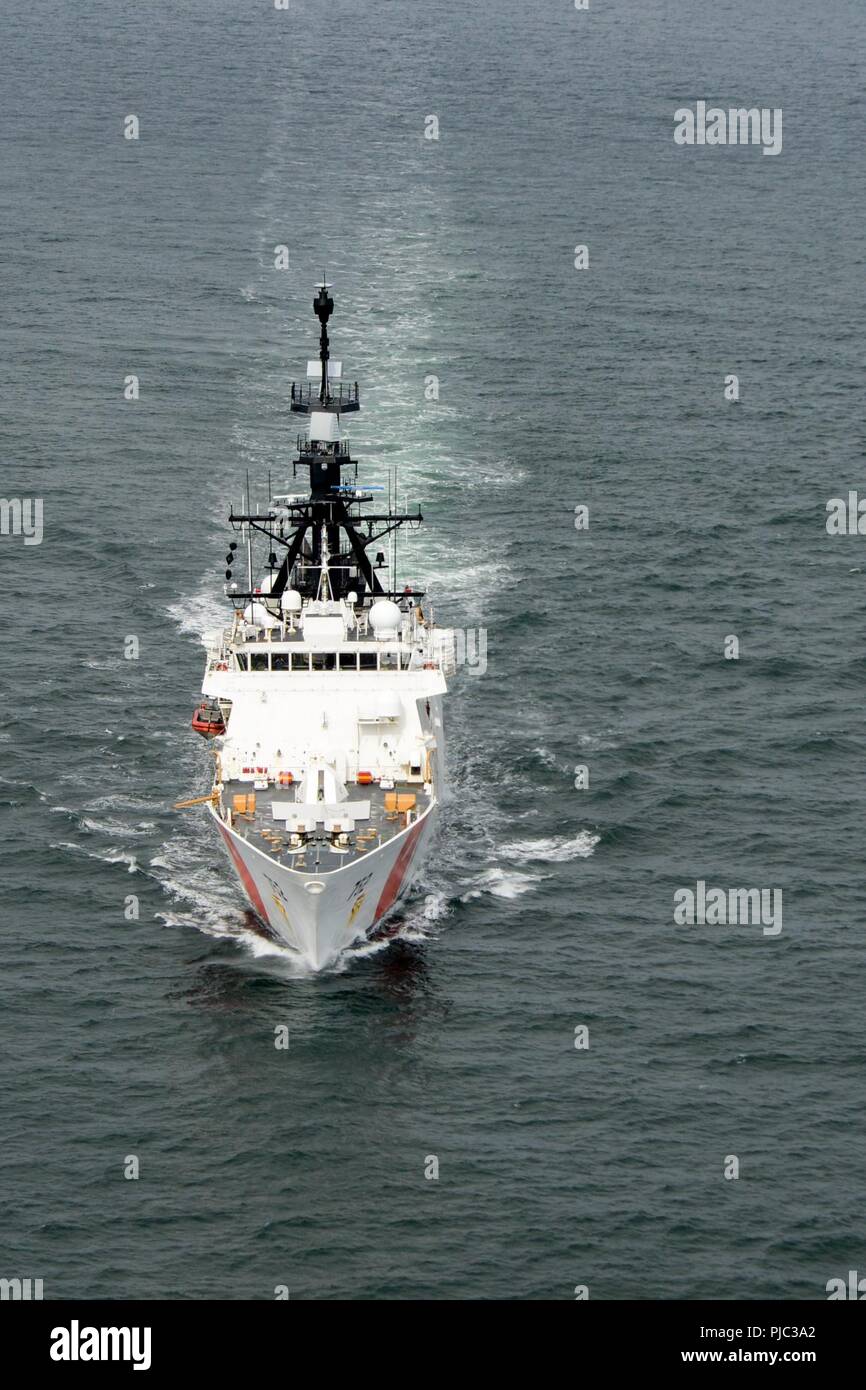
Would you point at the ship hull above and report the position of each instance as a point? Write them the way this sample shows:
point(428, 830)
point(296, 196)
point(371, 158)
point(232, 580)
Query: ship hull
point(321, 915)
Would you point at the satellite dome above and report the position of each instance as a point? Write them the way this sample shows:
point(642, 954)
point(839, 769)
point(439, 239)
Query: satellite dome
point(385, 617)
point(258, 616)
point(290, 601)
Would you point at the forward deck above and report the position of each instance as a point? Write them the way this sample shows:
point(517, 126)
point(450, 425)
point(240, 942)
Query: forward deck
point(323, 848)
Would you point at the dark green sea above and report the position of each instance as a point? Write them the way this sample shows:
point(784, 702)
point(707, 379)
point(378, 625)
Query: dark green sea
point(543, 908)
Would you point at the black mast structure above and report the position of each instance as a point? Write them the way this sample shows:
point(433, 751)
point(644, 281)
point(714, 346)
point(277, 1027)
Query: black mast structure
point(323, 307)
point(333, 513)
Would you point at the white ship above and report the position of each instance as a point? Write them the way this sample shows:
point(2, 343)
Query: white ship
point(324, 696)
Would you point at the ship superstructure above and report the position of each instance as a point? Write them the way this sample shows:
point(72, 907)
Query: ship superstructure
point(324, 695)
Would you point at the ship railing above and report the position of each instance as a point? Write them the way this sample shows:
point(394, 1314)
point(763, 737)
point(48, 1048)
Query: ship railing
point(216, 647)
point(339, 448)
point(307, 393)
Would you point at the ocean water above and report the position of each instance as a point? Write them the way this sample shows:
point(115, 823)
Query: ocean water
point(543, 908)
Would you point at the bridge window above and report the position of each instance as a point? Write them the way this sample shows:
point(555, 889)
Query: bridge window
point(241, 658)
point(259, 661)
point(348, 661)
point(324, 661)
point(279, 661)
point(367, 661)
point(300, 661)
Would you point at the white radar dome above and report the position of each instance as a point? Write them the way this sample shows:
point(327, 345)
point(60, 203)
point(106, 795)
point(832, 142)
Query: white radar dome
point(290, 601)
point(385, 617)
point(258, 616)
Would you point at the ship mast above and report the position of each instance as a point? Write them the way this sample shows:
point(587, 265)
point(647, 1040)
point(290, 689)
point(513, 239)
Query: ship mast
point(326, 536)
point(323, 307)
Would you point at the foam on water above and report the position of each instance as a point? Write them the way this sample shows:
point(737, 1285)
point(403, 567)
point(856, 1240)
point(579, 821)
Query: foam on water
point(501, 883)
point(111, 857)
point(204, 610)
point(556, 849)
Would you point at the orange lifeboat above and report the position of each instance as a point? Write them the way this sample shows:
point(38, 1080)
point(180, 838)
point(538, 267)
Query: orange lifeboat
point(208, 721)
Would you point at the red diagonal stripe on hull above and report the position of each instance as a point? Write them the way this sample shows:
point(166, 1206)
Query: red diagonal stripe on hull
point(246, 877)
point(394, 883)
